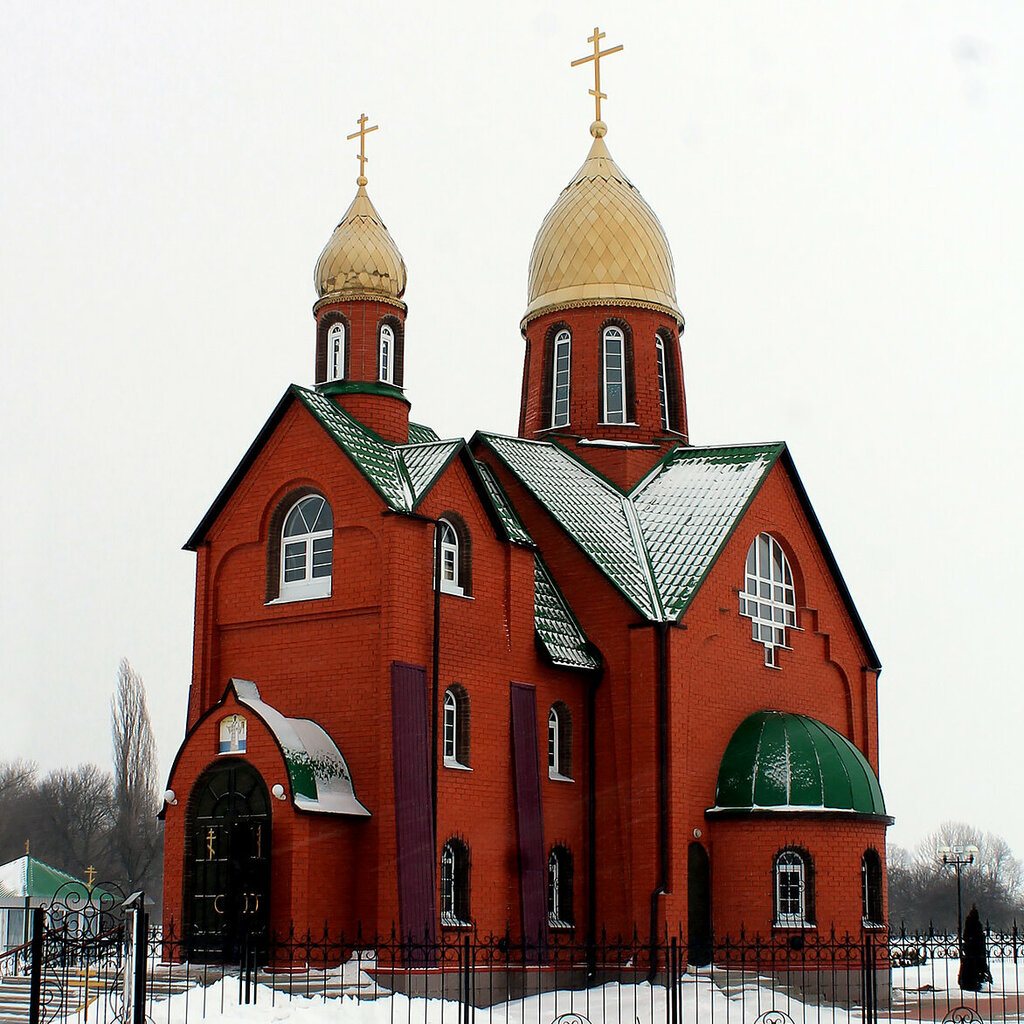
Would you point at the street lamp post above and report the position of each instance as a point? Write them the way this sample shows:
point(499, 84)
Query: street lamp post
point(958, 857)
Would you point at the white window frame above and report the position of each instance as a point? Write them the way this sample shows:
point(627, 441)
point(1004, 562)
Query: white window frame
point(557, 918)
point(451, 884)
point(449, 571)
point(308, 586)
point(561, 379)
point(659, 347)
point(790, 870)
point(386, 354)
point(768, 597)
point(556, 746)
point(336, 352)
point(615, 334)
point(453, 725)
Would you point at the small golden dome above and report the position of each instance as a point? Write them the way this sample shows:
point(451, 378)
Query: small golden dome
point(601, 244)
point(361, 260)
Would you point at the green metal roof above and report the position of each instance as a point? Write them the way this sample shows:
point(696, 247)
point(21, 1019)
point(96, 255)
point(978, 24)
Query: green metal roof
point(507, 515)
point(657, 543)
point(557, 628)
point(317, 771)
point(31, 879)
point(419, 434)
point(778, 761)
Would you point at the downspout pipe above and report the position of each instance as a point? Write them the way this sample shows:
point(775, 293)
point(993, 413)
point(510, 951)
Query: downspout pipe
point(435, 668)
point(661, 649)
point(592, 825)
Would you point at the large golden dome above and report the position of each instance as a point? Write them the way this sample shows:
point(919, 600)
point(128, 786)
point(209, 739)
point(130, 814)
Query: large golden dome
point(361, 260)
point(601, 244)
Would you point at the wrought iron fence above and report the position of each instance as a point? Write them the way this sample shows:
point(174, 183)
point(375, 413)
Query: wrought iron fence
point(812, 976)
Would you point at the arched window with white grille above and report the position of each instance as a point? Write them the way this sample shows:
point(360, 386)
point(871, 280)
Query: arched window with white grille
point(336, 352)
point(793, 889)
point(455, 885)
point(560, 376)
point(307, 549)
point(387, 354)
point(768, 598)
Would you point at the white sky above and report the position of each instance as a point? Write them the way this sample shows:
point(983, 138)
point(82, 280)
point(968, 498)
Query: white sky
point(841, 183)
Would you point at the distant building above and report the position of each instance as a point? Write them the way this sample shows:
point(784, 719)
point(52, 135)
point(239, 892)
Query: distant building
point(590, 676)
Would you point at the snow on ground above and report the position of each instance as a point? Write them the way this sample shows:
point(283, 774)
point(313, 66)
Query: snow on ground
point(701, 1003)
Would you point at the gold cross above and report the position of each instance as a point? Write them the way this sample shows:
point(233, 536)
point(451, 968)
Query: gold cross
point(361, 135)
point(596, 58)
point(210, 836)
point(90, 876)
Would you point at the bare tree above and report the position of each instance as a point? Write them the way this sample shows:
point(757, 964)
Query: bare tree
point(136, 835)
point(19, 784)
point(73, 818)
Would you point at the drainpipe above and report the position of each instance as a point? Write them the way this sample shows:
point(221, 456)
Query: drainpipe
point(434, 672)
point(592, 825)
point(661, 629)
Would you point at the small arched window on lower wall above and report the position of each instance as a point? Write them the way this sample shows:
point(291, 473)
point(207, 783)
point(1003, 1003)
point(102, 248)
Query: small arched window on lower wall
point(794, 889)
point(456, 727)
point(559, 743)
point(560, 913)
point(455, 885)
point(455, 552)
point(871, 888)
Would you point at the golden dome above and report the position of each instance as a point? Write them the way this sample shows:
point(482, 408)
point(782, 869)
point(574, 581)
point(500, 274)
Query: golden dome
point(601, 244)
point(361, 260)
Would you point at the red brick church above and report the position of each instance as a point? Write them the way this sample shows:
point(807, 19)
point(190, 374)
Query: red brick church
point(593, 675)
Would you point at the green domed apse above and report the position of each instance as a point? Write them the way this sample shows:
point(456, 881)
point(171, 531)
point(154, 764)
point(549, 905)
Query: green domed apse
point(777, 761)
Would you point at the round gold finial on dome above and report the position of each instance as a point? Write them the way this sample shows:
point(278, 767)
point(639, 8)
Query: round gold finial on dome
point(601, 244)
point(599, 129)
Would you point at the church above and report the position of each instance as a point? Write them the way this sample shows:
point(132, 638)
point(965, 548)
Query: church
point(592, 676)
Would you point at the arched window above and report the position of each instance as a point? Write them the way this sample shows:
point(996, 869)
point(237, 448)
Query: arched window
point(560, 888)
point(455, 885)
point(768, 597)
point(793, 889)
point(449, 541)
point(336, 352)
point(559, 743)
point(456, 727)
point(613, 343)
point(560, 376)
point(659, 345)
point(307, 544)
point(871, 887)
point(455, 555)
point(387, 354)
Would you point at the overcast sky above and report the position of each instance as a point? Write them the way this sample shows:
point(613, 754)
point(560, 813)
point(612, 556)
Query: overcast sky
point(842, 187)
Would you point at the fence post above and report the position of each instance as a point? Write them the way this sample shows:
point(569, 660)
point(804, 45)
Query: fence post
point(141, 963)
point(35, 992)
point(466, 982)
point(869, 981)
point(672, 980)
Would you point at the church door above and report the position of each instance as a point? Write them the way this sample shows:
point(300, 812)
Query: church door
point(228, 869)
point(699, 904)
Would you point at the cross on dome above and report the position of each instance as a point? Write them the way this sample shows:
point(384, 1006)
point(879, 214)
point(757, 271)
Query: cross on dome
point(362, 157)
point(598, 128)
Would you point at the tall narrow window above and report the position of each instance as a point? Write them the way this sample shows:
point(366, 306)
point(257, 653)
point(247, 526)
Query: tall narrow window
point(456, 727)
point(455, 885)
point(387, 354)
point(559, 743)
point(449, 542)
point(307, 545)
point(768, 598)
point(871, 887)
point(659, 346)
point(560, 913)
point(792, 889)
point(614, 375)
point(336, 352)
point(560, 376)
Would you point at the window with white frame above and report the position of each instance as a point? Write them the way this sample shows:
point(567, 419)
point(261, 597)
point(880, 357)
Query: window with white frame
point(560, 913)
point(336, 352)
point(768, 598)
point(455, 727)
point(307, 546)
point(659, 345)
point(560, 376)
point(449, 553)
point(792, 889)
point(559, 743)
point(614, 375)
point(387, 354)
point(455, 885)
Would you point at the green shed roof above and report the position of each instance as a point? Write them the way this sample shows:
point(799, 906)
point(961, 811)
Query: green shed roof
point(778, 761)
point(31, 879)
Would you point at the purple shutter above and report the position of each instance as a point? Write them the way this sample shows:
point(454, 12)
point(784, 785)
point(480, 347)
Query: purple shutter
point(414, 833)
point(533, 876)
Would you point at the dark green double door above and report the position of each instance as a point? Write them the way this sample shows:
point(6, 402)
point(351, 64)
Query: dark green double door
point(229, 862)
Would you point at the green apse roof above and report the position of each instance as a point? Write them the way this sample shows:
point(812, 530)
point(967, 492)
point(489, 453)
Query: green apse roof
point(777, 761)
